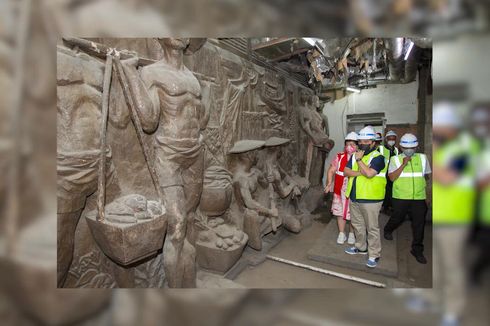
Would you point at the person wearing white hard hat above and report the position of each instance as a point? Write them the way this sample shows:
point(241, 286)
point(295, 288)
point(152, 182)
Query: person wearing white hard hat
point(408, 172)
point(453, 201)
point(337, 183)
point(389, 150)
point(366, 190)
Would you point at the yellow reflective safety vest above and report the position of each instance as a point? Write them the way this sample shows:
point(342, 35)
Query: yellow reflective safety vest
point(455, 203)
point(411, 182)
point(368, 188)
point(385, 151)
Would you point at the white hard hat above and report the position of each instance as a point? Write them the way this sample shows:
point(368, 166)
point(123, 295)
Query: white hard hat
point(391, 133)
point(366, 133)
point(445, 116)
point(409, 141)
point(351, 136)
point(379, 137)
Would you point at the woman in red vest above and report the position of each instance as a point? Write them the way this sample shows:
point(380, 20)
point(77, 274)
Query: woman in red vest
point(340, 204)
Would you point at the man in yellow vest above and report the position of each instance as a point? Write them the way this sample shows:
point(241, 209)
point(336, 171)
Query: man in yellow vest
point(388, 150)
point(409, 171)
point(454, 202)
point(366, 190)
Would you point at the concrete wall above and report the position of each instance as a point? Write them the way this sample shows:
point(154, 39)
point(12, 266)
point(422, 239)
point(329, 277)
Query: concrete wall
point(398, 102)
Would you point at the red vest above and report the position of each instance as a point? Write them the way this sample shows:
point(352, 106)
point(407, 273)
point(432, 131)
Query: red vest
point(339, 173)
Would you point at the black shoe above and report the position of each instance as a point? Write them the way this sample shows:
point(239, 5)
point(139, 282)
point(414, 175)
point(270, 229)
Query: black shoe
point(388, 236)
point(419, 257)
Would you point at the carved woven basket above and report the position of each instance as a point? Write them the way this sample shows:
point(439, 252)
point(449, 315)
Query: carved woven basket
point(216, 259)
point(128, 243)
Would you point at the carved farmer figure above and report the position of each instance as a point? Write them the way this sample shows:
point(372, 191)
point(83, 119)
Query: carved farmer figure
point(79, 83)
point(257, 217)
point(283, 184)
point(317, 105)
point(168, 101)
point(312, 122)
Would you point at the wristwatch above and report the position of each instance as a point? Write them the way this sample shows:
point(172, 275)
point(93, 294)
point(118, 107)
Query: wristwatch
point(358, 159)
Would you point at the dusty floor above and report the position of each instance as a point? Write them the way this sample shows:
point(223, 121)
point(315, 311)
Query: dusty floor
point(272, 274)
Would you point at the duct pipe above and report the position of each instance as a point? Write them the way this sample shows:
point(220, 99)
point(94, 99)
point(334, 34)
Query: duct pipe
point(395, 57)
point(411, 65)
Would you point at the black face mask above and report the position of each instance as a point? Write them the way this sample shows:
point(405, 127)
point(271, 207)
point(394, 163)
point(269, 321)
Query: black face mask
point(364, 147)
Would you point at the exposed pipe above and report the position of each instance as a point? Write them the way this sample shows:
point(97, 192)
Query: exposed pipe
point(395, 57)
point(327, 272)
point(411, 65)
point(374, 54)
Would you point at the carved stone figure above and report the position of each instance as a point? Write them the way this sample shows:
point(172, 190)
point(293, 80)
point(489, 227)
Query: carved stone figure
point(236, 101)
point(282, 183)
point(313, 124)
point(79, 88)
point(168, 100)
point(319, 109)
point(214, 189)
point(273, 96)
point(220, 241)
point(258, 219)
point(311, 121)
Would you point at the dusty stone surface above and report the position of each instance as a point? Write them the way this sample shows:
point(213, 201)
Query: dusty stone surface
point(187, 125)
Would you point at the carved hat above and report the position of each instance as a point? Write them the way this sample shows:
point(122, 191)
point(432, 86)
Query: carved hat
point(276, 141)
point(246, 145)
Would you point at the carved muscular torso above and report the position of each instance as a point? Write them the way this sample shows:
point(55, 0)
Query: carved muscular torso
point(79, 82)
point(316, 122)
point(176, 93)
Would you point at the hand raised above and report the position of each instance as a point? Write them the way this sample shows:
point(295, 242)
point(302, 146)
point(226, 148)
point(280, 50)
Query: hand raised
point(406, 159)
point(359, 154)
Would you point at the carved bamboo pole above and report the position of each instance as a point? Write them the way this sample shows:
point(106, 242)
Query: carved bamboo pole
point(103, 138)
point(101, 50)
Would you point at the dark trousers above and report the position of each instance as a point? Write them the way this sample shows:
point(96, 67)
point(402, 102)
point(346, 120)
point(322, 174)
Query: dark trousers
point(417, 210)
point(482, 242)
point(387, 202)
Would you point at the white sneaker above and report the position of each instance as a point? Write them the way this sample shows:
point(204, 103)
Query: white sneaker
point(352, 238)
point(341, 238)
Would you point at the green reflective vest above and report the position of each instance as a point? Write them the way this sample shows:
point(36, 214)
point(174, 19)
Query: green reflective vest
point(368, 188)
point(455, 203)
point(385, 151)
point(411, 182)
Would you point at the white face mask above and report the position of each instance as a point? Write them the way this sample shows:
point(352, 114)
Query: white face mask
point(391, 143)
point(409, 152)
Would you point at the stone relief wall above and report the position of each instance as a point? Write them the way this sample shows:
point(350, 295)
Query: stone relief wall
point(245, 102)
